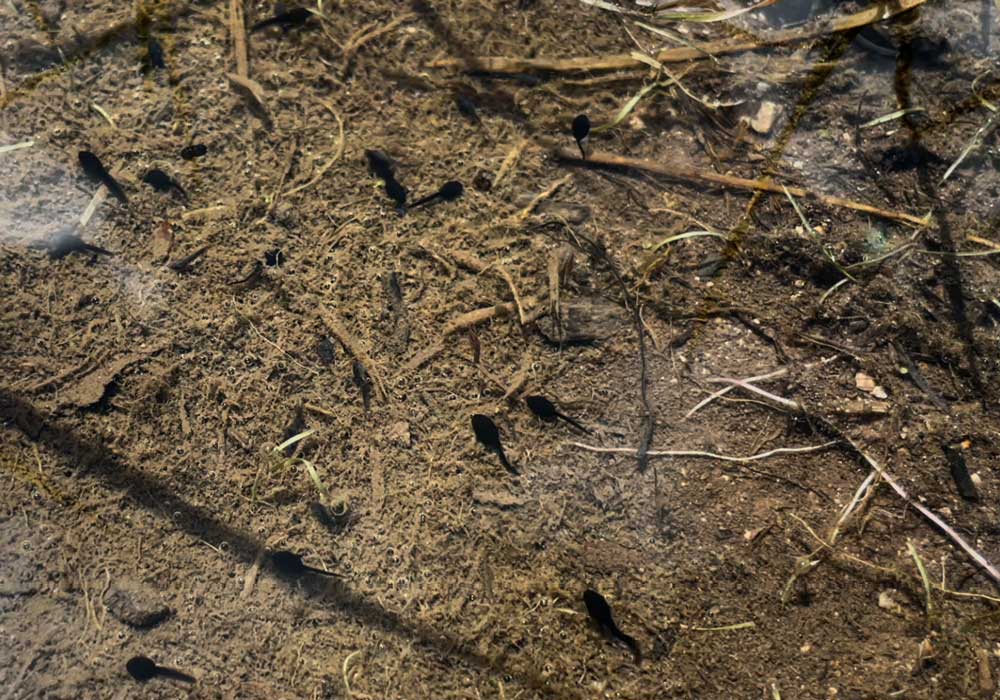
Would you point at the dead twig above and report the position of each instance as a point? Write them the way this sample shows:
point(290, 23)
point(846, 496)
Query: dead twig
point(686, 172)
point(897, 573)
point(503, 64)
point(338, 154)
point(929, 514)
point(289, 162)
point(502, 271)
point(352, 346)
point(478, 316)
point(366, 34)
point(252, 573)
point(722, 392)
point(744, 384)
point(522, 215)
point(238, 30)
point(95, 202)
point(509, 162)
point(251, 89)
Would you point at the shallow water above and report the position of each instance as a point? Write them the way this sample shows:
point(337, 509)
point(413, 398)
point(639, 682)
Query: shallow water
point(146, 409)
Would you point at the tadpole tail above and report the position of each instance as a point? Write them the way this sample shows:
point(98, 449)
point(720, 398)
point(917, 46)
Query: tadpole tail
point(576, 424)
point(114, 188)
point(583, 153)
point(634, 646)
point(175, 674)
point(630, 642)
point(321, 572)
point(96, 249)
point(263, 24)
point(505, 462)
point(424, 200)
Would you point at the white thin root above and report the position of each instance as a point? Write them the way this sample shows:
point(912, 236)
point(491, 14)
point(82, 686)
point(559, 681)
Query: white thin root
point(706, 455)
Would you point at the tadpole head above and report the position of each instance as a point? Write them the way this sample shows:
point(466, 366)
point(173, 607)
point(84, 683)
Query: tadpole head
point(541, 407)
point(485, 430)
point(466, 106)
point(379, 164)
point(274, 258)
point(89, 162)
point(597, 606)
point(158, 179)
point(195, 150)
point(396, 192)
point(288, 563)
point(451, 190)
point(141, 668)
point(581, 127)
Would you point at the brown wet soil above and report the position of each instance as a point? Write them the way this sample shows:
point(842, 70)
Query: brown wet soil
point(141, 404)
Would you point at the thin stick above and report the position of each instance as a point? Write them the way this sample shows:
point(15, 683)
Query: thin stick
point(338, 154)
point(973, 144)
point(359, 39)
point(319, 409)
point(930, 515)
point(886, 570)
point(107, 117)
point(252, 573)
point(849, 508)
point(502, 271)
point(16, 146)
point(726, 628)
point(238, 29)
point(347, 660)
point(249, 87)
point(743, 384)
point(289, 163)
point(686, 172)
point(352, 346)
point(706, 455)
point(478, 316)
point(522, 215)
point(95, 202)
point(509, 162)
point(722, 392)
point(420, 359)
point(307, 368)
point(503, 64)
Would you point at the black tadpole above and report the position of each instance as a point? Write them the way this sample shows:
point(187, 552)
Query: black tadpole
point(547, 411)
point(154, 56)
point(286, 20)
point(488, 435)
point(143, 668)
point(161, 182)
point(467, 107)
point(291, 564)
point(95, 170)
point(184, 263)
point(379, 164)
point(65, 242)
point(581, 129)
point(397, 193)
point(600, 612)
point(449, 192)
point(195, 150)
